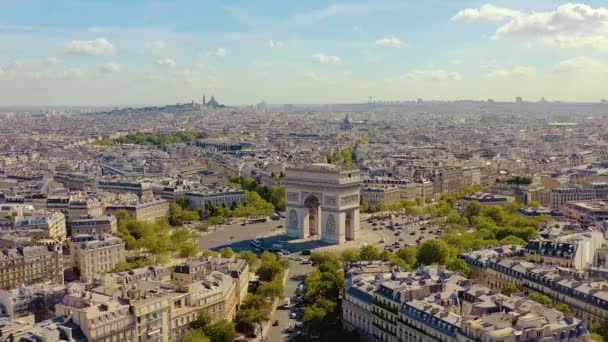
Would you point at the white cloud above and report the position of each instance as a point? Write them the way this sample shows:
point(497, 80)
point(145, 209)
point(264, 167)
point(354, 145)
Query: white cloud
point(273, 45)
point(36, 76)
point(157, 45)
point(109, 68)
point(99, 46)
point(391, 42)
point(52, 60)
point(167, 63)
point(572, 25)
point(13, 66)
point(581, 64)
point(72, 74)
point(518, 71)
point(312, 76)
point(434, 75)
point(357, 29)
point(219, 52)
point(486, 12)
point(323, 58)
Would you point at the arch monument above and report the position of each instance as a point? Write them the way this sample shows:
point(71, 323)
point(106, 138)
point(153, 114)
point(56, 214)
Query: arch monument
point(323, 202)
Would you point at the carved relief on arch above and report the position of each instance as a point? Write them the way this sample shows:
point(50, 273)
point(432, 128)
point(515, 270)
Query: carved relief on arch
point(293, 197)
point(331, 200)
point(293, 220)
point(350, 200)
point(330, 224)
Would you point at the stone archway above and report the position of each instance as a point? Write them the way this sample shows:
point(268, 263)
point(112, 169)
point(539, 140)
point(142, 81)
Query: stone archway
point(313, 205)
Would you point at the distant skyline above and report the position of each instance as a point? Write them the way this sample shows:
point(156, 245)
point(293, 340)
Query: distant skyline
point(106, 53)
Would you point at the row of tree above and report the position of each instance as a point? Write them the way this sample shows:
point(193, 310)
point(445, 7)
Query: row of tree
point(158, 238)
point(274, 195)
point(324, 291)
point(154, 139)
point(257, 307)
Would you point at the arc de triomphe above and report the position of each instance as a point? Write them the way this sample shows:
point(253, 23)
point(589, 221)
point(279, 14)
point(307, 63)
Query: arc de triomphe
point(323, 200)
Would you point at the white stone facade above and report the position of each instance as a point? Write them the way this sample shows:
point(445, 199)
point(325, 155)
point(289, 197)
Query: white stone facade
point(323, 200)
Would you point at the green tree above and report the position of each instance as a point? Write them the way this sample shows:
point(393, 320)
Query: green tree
point(349, 255)
point(459, 265)
point(203, 319)
point(249, 184)
point(221, 331)
point(188, 250)
point(472, 209)
point(407, 254)
point(540, 298)
point(433, 252)
point(564, 308)
point(251, 259)
point(183, 202)
point(534, 204)
point(271, 289)
point(512, 240)
point(209, 254)
point(364, 207)
point(226, 252)
point(509, 289)
point(236, 180)
point(195, 336)
point(314, 317)
point(277, 197)
point(369, 252)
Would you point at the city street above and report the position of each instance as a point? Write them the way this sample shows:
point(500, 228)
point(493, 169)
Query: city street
point(297, 274)
point(239, 237)
point(404, 234)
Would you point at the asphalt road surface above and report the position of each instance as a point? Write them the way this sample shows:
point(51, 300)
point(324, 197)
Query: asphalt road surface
point(239, 237)
point(405, 234)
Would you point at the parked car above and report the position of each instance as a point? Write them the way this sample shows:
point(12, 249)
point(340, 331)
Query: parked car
point(306, 252)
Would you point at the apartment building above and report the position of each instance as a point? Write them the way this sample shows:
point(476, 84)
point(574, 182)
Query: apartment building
point(94, 254)
point(142, 189)
point(380, 194)
point(588, 213)
point(84, 207)
point(587, 298)
point(87, 224)
point(575, 251)
point(385, 303)
point(149, 211)
point(31, 303)
point(100, 317)
point(30, 264)
point(228, 197)
point(561, 196)
point(43, 224)
point(196, 269)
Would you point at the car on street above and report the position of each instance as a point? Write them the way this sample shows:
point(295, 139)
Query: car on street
point(293, 315)
point(401, 239)
point(306, 262)
point(306, 252)
point(413, 233)
point(276, 323)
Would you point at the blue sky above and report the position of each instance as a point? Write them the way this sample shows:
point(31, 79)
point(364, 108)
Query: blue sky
point(155, 52)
